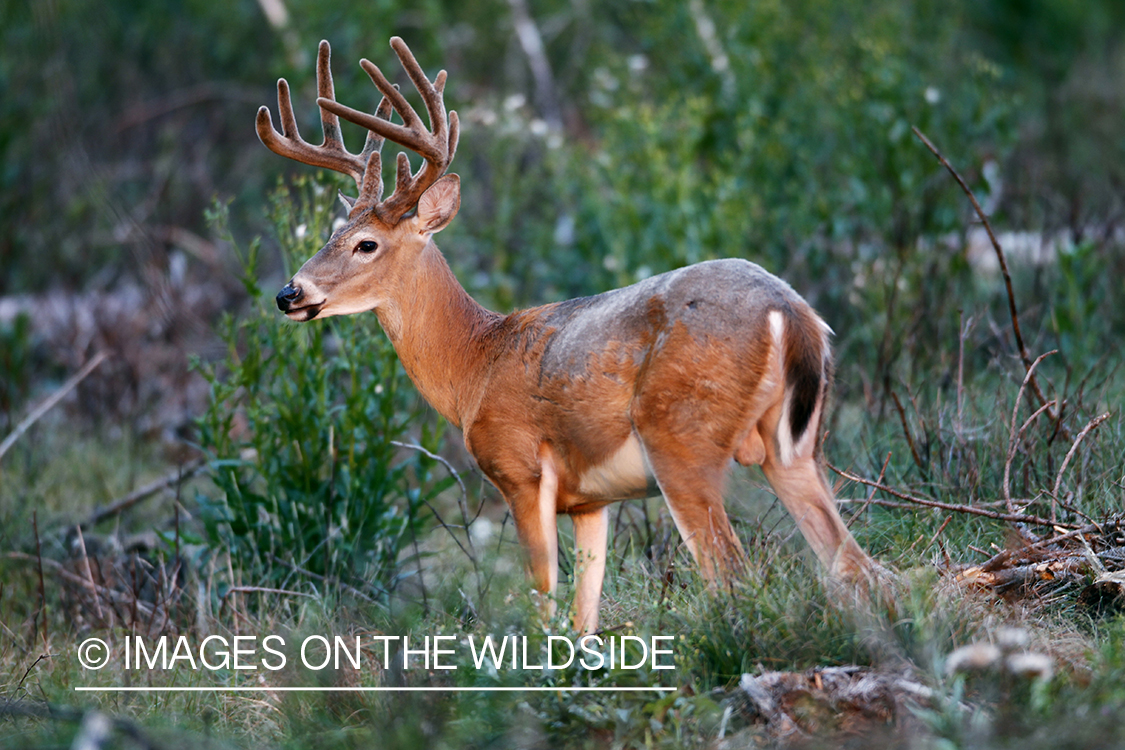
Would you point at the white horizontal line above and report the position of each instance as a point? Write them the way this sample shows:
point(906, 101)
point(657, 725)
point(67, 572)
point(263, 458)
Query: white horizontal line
point(289, 689)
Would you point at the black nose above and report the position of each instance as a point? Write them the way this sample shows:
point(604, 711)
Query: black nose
point(287, 296)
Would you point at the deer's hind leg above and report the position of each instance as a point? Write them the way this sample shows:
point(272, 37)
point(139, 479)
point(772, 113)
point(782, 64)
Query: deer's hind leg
point(690, 467)
point(697, 409)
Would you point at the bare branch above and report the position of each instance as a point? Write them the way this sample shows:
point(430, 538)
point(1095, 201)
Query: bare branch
point(531, 42)
point(49, 403)
point(871, 495)
point(1093, 424)
point(179, 476)
point(1024, 355)
point(1013, 437)
point(1012, 517)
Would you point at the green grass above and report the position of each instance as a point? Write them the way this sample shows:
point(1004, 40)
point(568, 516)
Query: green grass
point(783, 616)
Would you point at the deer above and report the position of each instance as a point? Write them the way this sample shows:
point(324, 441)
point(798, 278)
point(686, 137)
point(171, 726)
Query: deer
point(567, 408)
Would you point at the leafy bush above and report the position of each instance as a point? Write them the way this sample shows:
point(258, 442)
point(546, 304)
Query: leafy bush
point(300, 427)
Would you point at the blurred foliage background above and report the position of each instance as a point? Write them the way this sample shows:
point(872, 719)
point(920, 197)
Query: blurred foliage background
point(634, 137)
point(602, 142)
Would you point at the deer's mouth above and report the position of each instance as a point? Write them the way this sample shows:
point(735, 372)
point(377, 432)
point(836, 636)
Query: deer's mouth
point(305, 312)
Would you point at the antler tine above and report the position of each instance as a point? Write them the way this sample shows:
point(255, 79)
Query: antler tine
point(436, 144)
point(411, 134)
point(454, 135)
point(331, 154)
point(374, 143)
point(431, 94)
point(372, 191)
point(329, 123)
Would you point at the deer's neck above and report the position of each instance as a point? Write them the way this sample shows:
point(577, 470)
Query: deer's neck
point(440, 335)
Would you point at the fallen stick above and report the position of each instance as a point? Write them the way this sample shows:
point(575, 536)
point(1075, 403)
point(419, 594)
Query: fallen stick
point(184, 473)
point(1012, 517)
point(77, 580)
point(50, 402)
point(264, 590)
point(999, 559)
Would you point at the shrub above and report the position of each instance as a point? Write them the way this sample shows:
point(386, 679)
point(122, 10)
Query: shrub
point(300, 427)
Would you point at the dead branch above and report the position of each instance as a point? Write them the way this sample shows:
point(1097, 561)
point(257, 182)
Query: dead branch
point(871, 495)
point(1024, 355)
point(264, 590)
point(50, 402)
point(1022, 575)
point(66, 575)
point(1013, 441)
point(906, 432)
point(1002, 558)
point(1011, 517)
point(1093, 424)
point(184, 473)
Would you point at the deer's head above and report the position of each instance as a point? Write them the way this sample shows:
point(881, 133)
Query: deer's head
point(370, 254)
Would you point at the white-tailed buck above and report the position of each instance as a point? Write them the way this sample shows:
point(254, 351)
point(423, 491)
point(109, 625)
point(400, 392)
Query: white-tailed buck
point(572, 406)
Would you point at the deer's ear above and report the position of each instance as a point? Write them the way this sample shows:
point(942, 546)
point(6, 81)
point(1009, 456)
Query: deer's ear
point(349, 203)
point(439, 204)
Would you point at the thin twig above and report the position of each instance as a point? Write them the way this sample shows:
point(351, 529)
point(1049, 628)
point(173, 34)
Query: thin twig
point(937, 533)
point(1012, 517)
point(906, 431)
point(50, 402)
point(90, 575)
point(871, 495)
point(1070, 454)
point(174, 479)
point(323, 579)
point(263, 590)
point(33, 665)
point(42, 588)
point(1013, 438)
point(1024, 355)
point(462, 501)
point(1012, 443)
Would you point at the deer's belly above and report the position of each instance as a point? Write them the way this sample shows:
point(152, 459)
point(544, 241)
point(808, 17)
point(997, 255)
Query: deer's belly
point(625, 474)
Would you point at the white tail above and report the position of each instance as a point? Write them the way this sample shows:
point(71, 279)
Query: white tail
point(572, 406)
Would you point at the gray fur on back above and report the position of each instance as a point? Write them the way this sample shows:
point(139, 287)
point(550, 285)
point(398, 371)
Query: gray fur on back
point(725, 299)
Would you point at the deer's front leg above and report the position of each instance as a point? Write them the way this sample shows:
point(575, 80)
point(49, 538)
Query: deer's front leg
point(533, 506)
point(591, 533)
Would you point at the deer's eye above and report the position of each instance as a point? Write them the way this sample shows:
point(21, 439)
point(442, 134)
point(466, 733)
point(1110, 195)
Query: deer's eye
point(367, 246)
